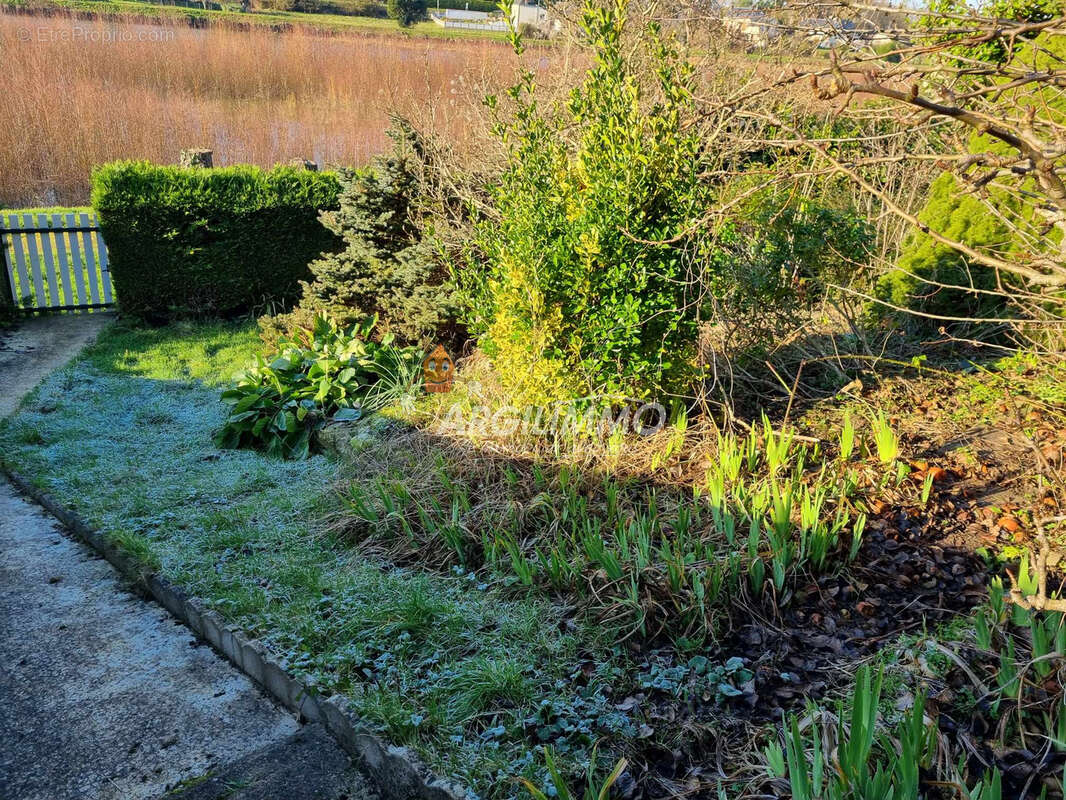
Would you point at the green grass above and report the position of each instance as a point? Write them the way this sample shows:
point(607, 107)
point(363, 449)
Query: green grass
point(440, 662)
point(331, 22)
point(206, 352)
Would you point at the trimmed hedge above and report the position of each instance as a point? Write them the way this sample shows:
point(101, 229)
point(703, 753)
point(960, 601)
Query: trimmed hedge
point(210, 242)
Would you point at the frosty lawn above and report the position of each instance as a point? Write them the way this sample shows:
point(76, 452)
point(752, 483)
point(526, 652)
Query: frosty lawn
point(123, 435)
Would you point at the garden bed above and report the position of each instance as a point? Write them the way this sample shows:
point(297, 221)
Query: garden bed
point(472, 665)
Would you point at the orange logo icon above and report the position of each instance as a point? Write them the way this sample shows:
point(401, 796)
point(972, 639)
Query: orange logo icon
point(439, 371)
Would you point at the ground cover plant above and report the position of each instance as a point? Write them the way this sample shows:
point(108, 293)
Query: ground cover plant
point(930, 493)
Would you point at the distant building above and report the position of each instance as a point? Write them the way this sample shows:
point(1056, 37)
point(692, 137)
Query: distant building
point(830, 33)
point(761, 29)
point(469, 20)
point(758, 28)
point(529, 14)
point(465, 16)
point(521, 14)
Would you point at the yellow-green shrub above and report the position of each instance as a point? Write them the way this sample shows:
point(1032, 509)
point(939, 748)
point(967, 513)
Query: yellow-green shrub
point(583, 279)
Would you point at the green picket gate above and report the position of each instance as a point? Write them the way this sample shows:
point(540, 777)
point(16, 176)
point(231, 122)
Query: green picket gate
point(55, 261)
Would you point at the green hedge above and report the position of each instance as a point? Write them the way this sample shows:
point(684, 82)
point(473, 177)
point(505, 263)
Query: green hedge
point(198, 242)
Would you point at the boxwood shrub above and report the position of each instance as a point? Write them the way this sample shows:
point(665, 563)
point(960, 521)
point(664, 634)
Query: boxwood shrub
point(197, 242)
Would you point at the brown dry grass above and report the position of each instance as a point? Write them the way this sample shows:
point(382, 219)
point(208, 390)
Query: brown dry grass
point(75, 97)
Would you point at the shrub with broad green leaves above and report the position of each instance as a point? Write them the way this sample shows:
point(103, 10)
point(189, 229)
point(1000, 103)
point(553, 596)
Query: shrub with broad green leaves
point(322, 374)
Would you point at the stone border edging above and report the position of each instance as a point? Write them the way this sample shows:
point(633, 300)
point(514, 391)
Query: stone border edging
point(396, 772)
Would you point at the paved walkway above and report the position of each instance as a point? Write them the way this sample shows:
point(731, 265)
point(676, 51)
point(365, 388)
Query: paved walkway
point(38, 346)
point(104, 696)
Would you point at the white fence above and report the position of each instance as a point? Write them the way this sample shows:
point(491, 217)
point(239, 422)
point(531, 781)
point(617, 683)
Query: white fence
point(55, 261)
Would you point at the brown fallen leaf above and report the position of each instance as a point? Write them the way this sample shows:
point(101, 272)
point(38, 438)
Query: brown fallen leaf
point(1051, 454)
point(855, 387)
point(1009, 524)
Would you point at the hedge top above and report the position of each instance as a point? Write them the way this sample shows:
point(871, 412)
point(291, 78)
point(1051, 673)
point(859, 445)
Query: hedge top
point(127, 185)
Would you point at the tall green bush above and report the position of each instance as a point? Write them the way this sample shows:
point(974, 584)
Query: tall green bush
point(190, 241)
point(581, 279)
point(1011, 217)
point(925, 264)
point(406, 12)
point(783, 250)
point(994, 51)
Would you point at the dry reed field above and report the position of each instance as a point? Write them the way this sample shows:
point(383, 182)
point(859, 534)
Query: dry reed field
point(79, 93)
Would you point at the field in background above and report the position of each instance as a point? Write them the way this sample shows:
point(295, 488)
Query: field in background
point(82, 92)
point(355, 16)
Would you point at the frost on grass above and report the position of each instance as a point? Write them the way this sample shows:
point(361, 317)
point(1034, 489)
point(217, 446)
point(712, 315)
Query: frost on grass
point(441, 662)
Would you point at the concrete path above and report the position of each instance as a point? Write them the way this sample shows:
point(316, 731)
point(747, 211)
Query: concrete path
point(38, 346)
point(104, 696)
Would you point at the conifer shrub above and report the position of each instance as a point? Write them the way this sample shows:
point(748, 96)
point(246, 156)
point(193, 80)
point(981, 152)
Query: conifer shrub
point(926, 269)
point(388, 268)
point(999, 218)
